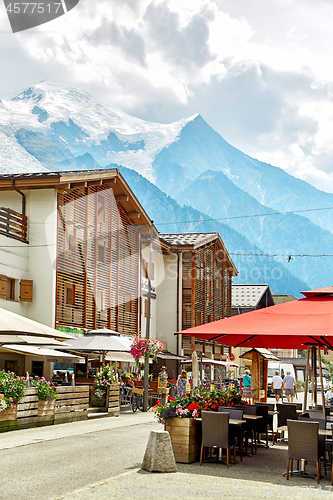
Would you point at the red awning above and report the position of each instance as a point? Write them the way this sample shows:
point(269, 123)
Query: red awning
point(291, 325)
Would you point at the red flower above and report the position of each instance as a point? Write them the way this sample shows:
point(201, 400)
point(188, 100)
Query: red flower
point(193, 406)
point(171, 399)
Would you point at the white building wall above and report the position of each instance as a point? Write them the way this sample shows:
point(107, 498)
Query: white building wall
point(153, 310)
point(167, 302)
point(35, 260)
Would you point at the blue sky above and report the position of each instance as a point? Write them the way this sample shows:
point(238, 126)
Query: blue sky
point(260, 72)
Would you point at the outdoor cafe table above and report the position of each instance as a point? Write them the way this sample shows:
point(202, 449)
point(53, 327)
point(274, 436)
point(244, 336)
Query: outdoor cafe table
point(321, 432)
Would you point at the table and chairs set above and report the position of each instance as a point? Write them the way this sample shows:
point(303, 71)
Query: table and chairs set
point(233, 427)
point(310, 435)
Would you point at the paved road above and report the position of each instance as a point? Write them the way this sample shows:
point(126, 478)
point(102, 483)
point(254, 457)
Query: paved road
point(47, 462)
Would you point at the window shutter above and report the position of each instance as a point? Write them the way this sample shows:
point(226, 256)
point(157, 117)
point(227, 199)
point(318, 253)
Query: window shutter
point(3, 287)
point(26, 289)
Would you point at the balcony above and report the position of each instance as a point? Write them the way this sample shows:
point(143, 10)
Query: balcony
point(13, 224)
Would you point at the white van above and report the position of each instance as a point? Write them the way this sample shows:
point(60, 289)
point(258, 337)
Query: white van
point(282, 368)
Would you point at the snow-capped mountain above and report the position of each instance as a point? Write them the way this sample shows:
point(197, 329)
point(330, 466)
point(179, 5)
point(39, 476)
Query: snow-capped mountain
point(49, 127)
point(76, 123)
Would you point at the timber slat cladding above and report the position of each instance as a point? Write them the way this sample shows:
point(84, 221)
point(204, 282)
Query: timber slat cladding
point(97, 265)
point(207, 267)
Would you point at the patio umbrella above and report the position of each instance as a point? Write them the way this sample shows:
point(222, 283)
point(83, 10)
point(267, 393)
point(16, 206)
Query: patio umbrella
point(292, 325)
point(195, 369)
point(49, 355)
point(24, 329)
point(101, 342)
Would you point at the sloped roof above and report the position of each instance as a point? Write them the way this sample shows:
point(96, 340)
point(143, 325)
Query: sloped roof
point(265, 353)
point(247, 295)
point(185, 239)
point(195, 240)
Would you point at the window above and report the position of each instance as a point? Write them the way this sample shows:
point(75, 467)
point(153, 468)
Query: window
point(199, 318)
point(101, 251)
point(128, 303)
point(101, 208)
point(10, 289)
point(69, 294)
point(209, 318)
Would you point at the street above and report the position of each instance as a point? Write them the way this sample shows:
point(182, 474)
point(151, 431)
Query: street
point(58, 459)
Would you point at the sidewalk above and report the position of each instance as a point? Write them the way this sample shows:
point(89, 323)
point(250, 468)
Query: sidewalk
point(257, 477)
point(34, 435)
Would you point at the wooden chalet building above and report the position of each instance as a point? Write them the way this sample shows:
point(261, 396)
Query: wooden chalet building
point(203, 288)
point(74, 252)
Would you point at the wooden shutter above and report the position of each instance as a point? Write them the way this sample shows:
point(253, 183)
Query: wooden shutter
point(3, 287)
point(26, 289)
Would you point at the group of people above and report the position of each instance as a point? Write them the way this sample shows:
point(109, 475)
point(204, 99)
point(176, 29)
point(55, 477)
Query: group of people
point(287, 384)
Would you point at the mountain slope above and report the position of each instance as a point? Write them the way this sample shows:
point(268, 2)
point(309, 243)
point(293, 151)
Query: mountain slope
point(289, 234)
point(252, 268)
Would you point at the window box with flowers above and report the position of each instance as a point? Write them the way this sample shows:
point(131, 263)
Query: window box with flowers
point(180, 415)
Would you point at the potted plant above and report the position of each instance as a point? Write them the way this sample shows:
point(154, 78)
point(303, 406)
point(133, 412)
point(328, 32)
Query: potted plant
point(46, 395)
point(12, 391)
point(179, 417)
point(104, 378)
point(142, 348)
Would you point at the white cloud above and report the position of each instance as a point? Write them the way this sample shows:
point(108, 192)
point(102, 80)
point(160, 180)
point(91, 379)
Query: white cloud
point(259, 72)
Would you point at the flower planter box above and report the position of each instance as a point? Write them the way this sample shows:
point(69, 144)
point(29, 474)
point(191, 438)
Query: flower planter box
point(97, 402)
point(46, 408)
point(185, 434)
point(8, 414)
point(113, 400)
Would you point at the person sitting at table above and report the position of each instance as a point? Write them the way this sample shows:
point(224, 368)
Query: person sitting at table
point(163, 373)
point(329, 396)
point(181, 383)
point(276, 385)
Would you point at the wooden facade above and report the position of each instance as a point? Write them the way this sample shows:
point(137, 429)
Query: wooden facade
point(206, 290)
point(97, 262)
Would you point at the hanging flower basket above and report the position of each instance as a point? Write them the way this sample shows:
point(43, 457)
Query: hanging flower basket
point(142, 347)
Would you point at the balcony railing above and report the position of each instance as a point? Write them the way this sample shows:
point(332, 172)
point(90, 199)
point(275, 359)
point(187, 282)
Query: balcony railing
point(13, 224)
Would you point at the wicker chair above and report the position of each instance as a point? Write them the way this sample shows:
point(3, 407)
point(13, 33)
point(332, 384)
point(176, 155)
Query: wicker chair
point(329, 450)
point(285, 412)
point(215, 432)
point(236, 432)
point(303, 443)
point(321, 439)
point(262, 424)
point(271, 407)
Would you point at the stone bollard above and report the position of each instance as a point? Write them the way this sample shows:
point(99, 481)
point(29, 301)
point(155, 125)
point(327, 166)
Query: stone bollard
point(159, 455)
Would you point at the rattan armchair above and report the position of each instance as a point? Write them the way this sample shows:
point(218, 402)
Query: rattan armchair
point(303, 443)
point(285, 412)
point(215, 432)
point(236, 433)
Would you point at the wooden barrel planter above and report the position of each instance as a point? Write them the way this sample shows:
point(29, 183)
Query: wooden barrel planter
point(185, 434)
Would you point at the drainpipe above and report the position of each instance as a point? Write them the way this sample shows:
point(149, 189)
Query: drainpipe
point(22, 194)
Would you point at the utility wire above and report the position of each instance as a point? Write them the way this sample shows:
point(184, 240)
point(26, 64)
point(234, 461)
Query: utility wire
point(222, 218)
point(245, 216)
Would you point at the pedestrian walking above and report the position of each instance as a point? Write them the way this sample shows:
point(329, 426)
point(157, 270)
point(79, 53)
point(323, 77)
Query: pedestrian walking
point(289, 385)
point(277, 385)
